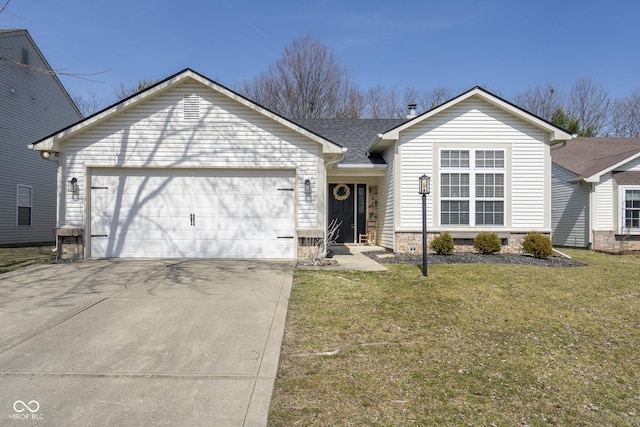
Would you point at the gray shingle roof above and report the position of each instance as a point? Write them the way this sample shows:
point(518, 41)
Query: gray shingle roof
point(588, 156)
point(354, 134)
point(627, 177)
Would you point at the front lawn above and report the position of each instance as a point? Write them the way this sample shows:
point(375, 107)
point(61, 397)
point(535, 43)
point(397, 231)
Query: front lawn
point(469, 345)
point(15, 258)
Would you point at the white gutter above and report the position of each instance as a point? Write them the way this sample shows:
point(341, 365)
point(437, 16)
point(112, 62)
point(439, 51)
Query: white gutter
point(373, 143)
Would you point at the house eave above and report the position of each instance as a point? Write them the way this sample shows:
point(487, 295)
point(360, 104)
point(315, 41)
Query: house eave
point(52, 142)
point(556, 134)
point(359, 170)
point(380, 142)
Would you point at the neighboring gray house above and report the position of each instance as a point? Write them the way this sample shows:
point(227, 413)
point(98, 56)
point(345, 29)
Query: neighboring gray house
point(32, 105)
point(191, 169)
point(596, 194)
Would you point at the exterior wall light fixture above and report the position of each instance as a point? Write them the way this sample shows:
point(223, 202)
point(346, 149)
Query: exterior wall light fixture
point(72, 186)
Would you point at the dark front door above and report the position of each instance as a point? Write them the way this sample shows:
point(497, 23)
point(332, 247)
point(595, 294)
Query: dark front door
point(341, 207)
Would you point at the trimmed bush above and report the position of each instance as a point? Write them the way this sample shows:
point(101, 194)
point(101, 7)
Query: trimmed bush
point(487, 243)
point(442, 244)
point(537, 245)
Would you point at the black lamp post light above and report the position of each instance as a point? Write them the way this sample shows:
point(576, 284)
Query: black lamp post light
point(425, 188)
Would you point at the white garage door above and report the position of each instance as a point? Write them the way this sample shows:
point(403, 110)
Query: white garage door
point(164, 213)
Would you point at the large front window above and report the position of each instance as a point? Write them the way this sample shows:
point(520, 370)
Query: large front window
point(472, 187)
point(632, 209)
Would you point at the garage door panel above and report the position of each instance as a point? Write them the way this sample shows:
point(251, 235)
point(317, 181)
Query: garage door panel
point(191, 214)
point(245, 249)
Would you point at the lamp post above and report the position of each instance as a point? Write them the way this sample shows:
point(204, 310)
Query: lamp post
point(425, 188)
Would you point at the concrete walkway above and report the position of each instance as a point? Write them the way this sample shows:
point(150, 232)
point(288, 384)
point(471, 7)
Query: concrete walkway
point(351, 258)
point(120, 343)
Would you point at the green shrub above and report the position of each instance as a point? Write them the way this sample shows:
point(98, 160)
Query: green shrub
point(487, 243)
point(537, 245)
point(442, 244)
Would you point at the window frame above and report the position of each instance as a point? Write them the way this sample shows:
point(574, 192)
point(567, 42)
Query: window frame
point(482, 162)
point(19, 205)
point(623, 210)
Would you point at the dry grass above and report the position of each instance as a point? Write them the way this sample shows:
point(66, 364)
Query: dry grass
point(15, 258)
point(469, 345)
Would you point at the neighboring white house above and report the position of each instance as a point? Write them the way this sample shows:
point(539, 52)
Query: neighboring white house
point(189, 168)
point(33, 104)
point(596, 194)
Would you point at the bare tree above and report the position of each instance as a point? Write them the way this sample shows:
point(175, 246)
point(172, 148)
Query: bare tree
point(542, 100)
point(350, 102)
point(589, 104)
point(123, 91)
point(381, 103)
point(625, 116)
point(436, 96)
point(88, 104)
point(306, 82)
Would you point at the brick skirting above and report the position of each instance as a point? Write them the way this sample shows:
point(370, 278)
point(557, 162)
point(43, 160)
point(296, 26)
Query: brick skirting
point(412, 242)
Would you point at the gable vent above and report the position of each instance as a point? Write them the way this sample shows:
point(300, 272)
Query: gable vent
point(191, 107)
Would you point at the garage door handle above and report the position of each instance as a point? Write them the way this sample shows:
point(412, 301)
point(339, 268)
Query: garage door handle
point(285, 237)
point(193, 220)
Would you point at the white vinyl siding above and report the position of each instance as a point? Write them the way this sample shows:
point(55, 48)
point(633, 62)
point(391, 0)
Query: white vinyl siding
point(604, 204)
point(32, 105)
point(478, 125)
point(569, 210)
point(228, 135)
point(385, 217)
point(528, 184)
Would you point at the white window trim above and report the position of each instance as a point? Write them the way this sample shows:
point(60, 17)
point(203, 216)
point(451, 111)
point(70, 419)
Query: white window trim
point(18, 205)
point(622, 189)
point(472, 170)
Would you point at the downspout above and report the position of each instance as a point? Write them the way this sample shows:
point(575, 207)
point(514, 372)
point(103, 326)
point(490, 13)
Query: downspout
point(326, 206)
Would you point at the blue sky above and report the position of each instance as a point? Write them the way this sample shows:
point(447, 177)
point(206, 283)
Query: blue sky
point(505, 46)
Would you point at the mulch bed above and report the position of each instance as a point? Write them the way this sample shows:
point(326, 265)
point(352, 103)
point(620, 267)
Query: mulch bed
point(471, 258)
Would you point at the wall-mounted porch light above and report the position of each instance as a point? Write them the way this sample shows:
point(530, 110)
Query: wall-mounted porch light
point(72, 186)
point(307, 187)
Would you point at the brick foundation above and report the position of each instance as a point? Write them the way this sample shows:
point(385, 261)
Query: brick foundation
point(308, 241)
point(412, 242)
point(609, 241)
point(70, 243)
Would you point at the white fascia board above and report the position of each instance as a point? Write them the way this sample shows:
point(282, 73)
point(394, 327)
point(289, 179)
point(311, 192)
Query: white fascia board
point(52, 143)
point(359, 170)
point(596, 176)
point(379, 143)
point(555, 134)
point(361, 166)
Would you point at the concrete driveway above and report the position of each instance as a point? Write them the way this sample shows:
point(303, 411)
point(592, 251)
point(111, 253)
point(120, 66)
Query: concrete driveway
point(141, 342)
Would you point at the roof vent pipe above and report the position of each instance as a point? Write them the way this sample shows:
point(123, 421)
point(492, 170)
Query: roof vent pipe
point(412, 111)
